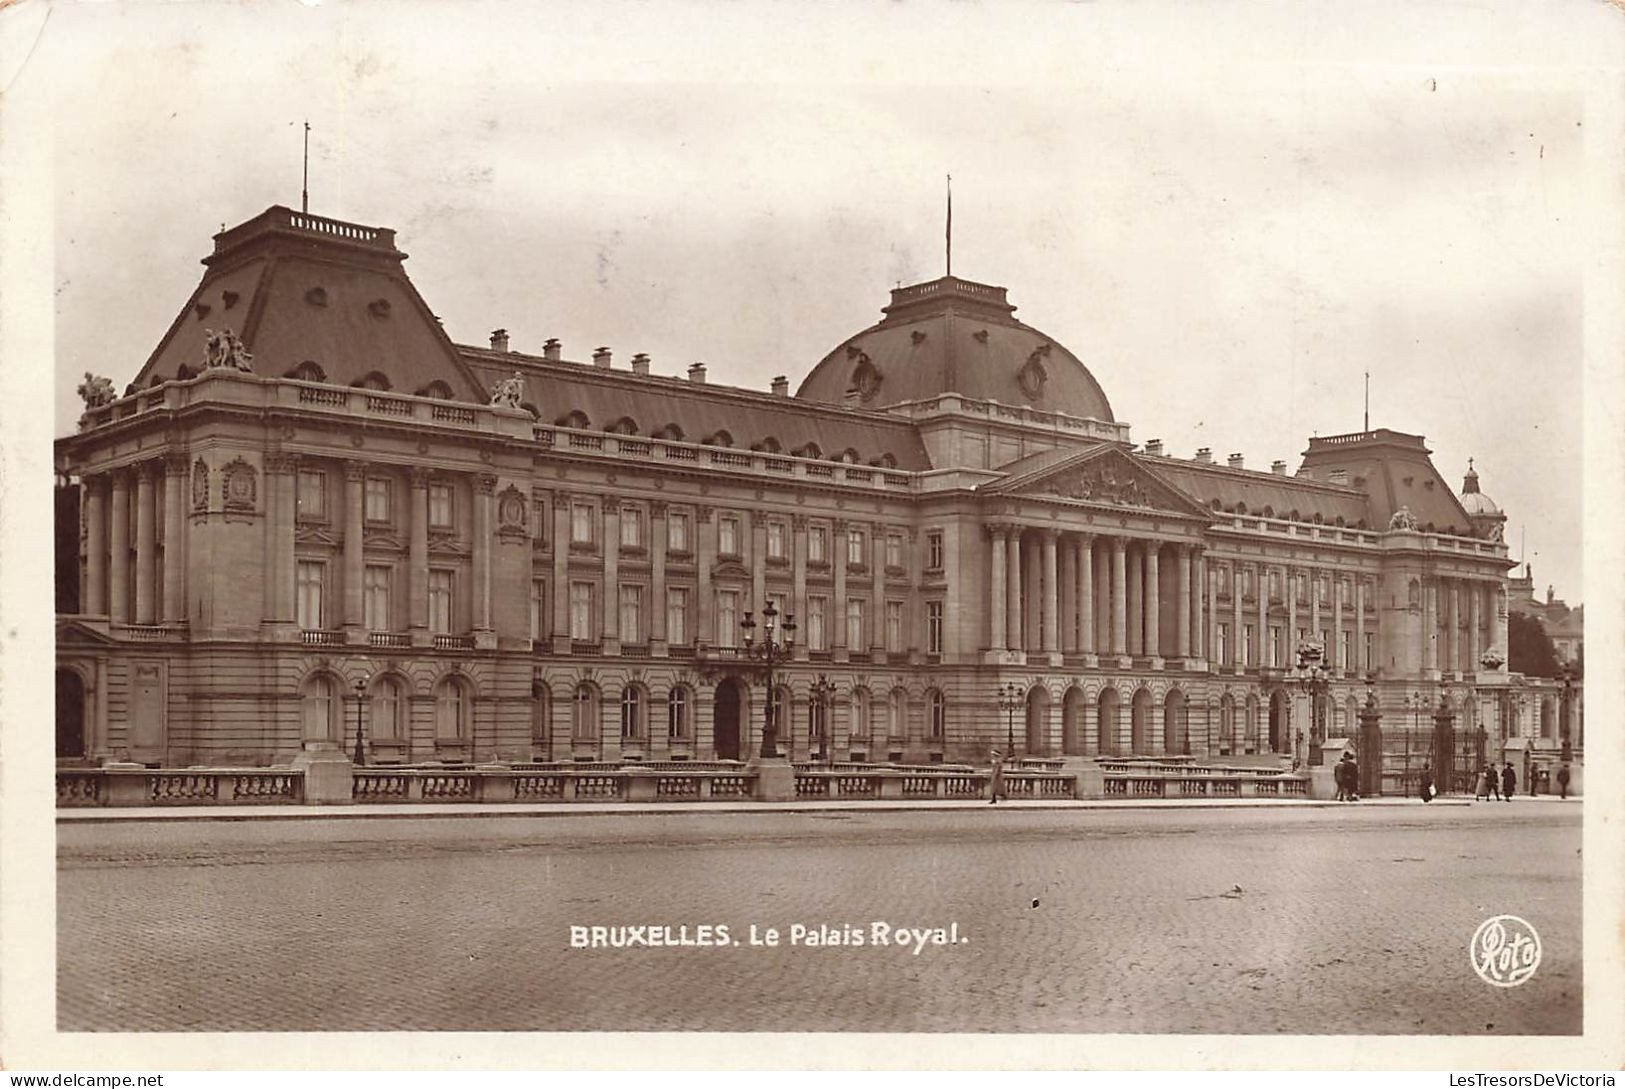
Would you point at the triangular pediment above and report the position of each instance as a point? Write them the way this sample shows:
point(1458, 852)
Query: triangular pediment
point(1104, 476)
point(78, 633)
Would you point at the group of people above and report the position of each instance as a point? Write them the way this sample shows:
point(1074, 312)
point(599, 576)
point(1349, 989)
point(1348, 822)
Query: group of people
point(1347, 777)
point(1498, 785)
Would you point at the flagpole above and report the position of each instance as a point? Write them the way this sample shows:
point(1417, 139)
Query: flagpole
point(950, 228)
point(304, 183)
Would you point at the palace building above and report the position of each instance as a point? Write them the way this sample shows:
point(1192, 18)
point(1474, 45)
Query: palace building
point(310, 506)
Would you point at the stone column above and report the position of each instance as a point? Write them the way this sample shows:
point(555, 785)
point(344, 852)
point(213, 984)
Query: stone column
point(1361, 663)
point(798, 529)
point(1336, 649)
point(1153, 599)
point(1212, 613)
point(837, 607)
point(758, 566)
point(706, 606)
point(118, 571)
point(1032, 596)
point(1119, 596)
point(1452, 648)
point(281, 523)
point(1199, 612)
point(913, 611)
point(1235, 614)
point(174, 606)
point(95, 603)
point(417, 553)
point(1049, 596)
point(1103, 599)
point(355, 474)
point(657, 579)
point(1068, 604)
point(877, 595)
point(1086, 597)
point(561, 573)
point(1475, 591)
point(146, 543)
point(609, 614)
point(484, 486)
point(1261, 630)
point(997, 602)
point(1314, 605)
point(1135, 561)
point(1430, 625)
point(1182, 615)
point(1012, 588)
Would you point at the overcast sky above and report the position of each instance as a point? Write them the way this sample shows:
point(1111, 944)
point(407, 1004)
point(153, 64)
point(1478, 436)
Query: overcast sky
point(1229, 213)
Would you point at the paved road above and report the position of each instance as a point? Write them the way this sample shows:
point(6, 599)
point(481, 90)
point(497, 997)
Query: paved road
point(1216, 921)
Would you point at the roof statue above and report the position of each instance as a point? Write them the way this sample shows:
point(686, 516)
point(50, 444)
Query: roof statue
point(1492, 659)
point(224, 349)
point(96, 390)
point(1402, 519)
point(509, 392)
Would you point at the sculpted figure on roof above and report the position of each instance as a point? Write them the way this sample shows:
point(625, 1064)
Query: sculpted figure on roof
point(510, 392)
point(224, 349)
point(96, 390)
point(1402, 519)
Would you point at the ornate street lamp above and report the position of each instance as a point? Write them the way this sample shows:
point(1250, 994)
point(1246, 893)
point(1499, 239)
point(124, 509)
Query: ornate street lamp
point(1566, 719)
point(1313, 676)
point(360, 757)
point(822, 691)
point(773, 648)
point(1011, 699)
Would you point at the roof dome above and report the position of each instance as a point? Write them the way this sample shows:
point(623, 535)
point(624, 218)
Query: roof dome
point(956, 336)
point(1473, 501)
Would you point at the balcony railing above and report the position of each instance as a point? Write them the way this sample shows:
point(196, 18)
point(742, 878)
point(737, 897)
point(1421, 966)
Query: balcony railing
point(453, 642)
point(311, 637)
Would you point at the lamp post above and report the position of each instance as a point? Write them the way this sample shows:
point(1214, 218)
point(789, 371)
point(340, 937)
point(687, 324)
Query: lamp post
point(822, 691)
point(1414, 702)
point(773, 648)
point(1312, 675)
point(1566, 719)
point(1010, 700)
point(360, 757)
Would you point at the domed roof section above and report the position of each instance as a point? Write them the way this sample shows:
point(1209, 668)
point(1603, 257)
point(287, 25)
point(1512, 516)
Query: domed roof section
point(1473, 501)
point(956, 336)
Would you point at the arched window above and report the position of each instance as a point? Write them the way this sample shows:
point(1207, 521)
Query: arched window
point(373, 380)
point(718, 438)
point(677, 714)
point(884, 461)
point(436, 389)
point(633, 710)
point(1252, 722)
point(818, 723)
point(779, 704)
point(451, 711)
point(386, 717)
point(808, 450)
point(575, 418)
point(937, 714)
point(849, 456)
point(860, 714)
point(584, 713)
point(897, 715)
point(184, 372)
point(626, 425)
point(541, 712)
point(671, 432)
point(535, 413)
point(308, 371)
point(769, 445)
point(320, 708)
point(1227, 724)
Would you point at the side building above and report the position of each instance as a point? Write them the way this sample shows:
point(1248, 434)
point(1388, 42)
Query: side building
point(311, 507)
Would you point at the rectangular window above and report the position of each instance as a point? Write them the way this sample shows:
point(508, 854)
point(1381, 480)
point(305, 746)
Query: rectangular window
point(817, 545)
point(727, 618)
point(1247, 644)
point(538, 519)
point(440, 508)
point(1275, 585)
point(728, 536)
point(933, 550)
point(581, 611)
point(894, 550)
point(440, 583)
point(375, 602)
point(854, 546)
point(1221, 652)
point(1303, 637)
point(677, 532)
point(631, 528)
point(376, 506)
point(1326, 646)
point(538, 608)
point(775, 540)
point(580, 523)
point(854, 623)
point(677, 615)
point(631, 614)
point(312, 494)
point(1275, 647)
point(894, 626)
point(933, 627)
point(817, 615)
point(776, 599)
point(312, 575)
point(1348, 651)
point(1368, 651)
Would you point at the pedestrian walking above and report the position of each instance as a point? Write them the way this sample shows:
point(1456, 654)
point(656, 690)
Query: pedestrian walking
point(1492, 779)
point(1427, 783)
point(1481, 785)
point(995, 785)
point(1563, 782)
point(1347, 777)
point(1509, 781)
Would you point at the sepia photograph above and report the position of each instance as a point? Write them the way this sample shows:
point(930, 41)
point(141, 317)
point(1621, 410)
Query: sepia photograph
point(956, 524)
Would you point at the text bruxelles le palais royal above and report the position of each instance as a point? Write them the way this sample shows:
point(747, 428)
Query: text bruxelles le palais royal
point(310, 499)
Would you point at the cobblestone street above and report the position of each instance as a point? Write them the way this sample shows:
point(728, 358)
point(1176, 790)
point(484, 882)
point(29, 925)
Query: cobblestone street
point(1217, 921)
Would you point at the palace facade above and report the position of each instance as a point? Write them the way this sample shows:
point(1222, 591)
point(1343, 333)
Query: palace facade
point(311, 507)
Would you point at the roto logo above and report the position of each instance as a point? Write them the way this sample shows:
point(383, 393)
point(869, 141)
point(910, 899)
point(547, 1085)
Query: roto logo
point(1505, 951)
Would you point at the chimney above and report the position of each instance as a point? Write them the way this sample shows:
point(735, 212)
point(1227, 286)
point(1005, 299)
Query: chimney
point(1340, 476)
point(1278, 468)
point(1154, 447)
point(781, 386)
point(1205, 455)
point(1236, 461)
point(640, 363)
point(551, 349)
point(499, 340)
point(696, 373)
point(600, 358)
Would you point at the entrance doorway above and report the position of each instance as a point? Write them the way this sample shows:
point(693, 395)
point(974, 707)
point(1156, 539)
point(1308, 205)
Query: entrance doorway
point(70, 715)
point(726, 717)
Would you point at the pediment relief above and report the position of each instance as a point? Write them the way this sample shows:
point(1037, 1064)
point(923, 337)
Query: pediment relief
point(1111, 479)
point(77, 633)
point(314, 535)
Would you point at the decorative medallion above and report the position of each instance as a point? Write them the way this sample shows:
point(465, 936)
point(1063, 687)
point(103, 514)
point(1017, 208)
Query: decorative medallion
point(866, 377)
point(200, 485)
point(240, 485)
point(1032, 376)
point(511, 511)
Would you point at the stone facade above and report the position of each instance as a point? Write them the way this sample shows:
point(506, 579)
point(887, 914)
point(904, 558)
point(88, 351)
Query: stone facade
point(267, 552)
